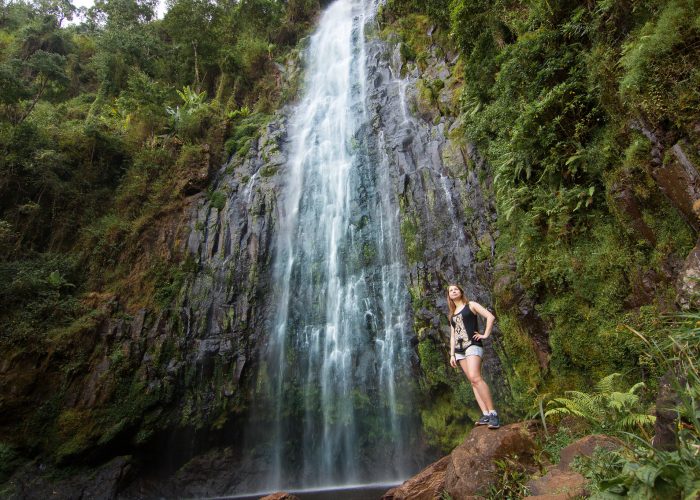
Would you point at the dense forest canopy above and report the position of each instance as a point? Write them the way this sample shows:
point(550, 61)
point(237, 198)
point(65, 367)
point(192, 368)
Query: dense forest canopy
point(97, 116)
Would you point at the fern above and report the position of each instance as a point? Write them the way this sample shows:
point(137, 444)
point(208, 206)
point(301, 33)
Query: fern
point(606, 409)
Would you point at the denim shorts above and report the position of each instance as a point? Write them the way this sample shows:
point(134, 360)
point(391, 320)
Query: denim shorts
point(472, 350)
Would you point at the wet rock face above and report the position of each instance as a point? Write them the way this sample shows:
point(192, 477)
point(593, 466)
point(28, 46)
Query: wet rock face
point(191, 365)
point(222, 308)
point(441, 187)
point(673, 171)
point(512, 297)
point(102, 483)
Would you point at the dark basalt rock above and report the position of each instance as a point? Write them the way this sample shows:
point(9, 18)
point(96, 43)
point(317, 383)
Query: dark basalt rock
point(512, 297)
point(674, 173)
point(192, 363)
point(442, 185)
point(103, 483)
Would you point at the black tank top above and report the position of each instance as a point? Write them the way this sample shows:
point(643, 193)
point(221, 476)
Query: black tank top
point(466, 325)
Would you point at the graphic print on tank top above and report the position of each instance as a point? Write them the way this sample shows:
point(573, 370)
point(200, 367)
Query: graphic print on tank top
point(462, 339)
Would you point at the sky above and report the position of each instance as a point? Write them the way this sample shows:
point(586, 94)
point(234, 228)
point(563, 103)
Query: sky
point(160, 12)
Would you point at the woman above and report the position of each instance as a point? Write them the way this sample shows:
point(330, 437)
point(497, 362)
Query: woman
point(467, 349)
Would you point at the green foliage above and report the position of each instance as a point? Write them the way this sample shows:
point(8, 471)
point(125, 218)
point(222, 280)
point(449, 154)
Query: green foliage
point(245, 129)
point(510, 483)
point(606, 410)
point(8, 458)
point(268, 171)
point(601, 465)
point(169, 279)
point(552, 94)
point(642, 471)
point(661, 74)
point(37, 292)
point(556, 442)
point(413, 244)
point(521, 363)
point(105, 127)
point(217, 199)
point(436, 9)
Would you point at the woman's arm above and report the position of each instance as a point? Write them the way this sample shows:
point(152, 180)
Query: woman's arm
point(453, 360)
point(477, 308)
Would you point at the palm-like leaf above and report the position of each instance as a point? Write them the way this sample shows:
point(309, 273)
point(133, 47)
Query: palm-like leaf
point(605, 408)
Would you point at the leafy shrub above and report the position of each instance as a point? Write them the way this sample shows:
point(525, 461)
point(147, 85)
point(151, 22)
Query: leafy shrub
point(217, 199)
point(510, 483)
point(246, 128)
point(642, 471)
point(606, 410)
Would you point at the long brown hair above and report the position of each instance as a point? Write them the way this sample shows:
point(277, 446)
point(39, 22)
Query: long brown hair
point(450, 304)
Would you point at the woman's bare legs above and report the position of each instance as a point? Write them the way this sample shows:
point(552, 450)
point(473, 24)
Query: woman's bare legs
point(465, 369)
point(472, 369)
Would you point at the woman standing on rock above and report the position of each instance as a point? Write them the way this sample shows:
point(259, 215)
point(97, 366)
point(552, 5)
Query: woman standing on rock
point(467, 349)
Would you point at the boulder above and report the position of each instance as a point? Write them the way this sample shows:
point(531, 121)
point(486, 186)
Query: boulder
point(472, 466)
point(280, 495)
point(585, 447)
point(428, 484)
point(467, 472)
point(557, 484)
point(39, 481)
point(560, 482)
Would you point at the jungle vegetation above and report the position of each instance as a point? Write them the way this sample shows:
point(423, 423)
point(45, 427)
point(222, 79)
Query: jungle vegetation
point(575, 105)
point(103, 110)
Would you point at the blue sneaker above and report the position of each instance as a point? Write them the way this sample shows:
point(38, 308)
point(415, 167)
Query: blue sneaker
point(494, 423)
point(484, 420)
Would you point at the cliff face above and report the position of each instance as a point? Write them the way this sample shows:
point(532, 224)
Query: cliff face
point(182, 377)
point(440, 188)
point(443, 192)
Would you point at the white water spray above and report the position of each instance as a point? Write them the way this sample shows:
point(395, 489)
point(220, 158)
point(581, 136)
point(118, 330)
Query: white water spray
point(338, 404)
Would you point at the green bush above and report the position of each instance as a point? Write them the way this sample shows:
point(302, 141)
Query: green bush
point(607, 410)
point(640, 470)
point(245, 129)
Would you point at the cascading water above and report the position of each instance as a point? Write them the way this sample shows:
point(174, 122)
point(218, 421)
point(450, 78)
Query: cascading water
point(333, 401)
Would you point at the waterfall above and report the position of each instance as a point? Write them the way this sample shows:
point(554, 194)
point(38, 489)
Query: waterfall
point(333, 395)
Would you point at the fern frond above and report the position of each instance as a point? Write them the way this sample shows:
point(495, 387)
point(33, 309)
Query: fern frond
point(579, 404)
point(620, 401)
point(556, 412)
point(635, 420)
point(635, 387)
point(607, 384)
